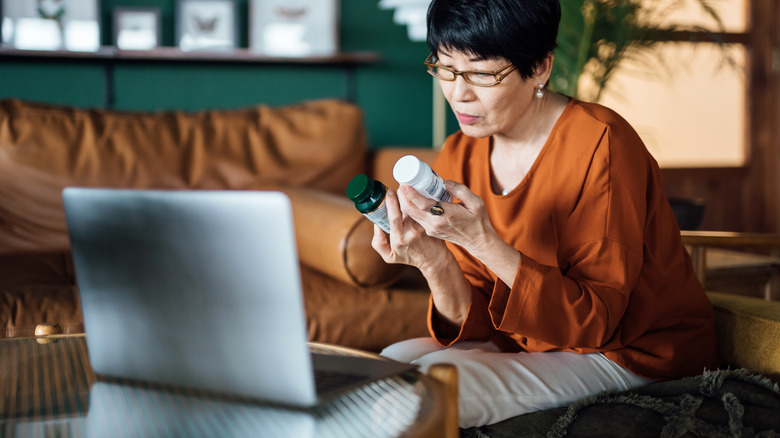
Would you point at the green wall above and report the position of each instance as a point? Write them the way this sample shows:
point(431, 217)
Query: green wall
point(395, 94)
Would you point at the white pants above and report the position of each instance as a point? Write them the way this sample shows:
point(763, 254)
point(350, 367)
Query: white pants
point(494, 386)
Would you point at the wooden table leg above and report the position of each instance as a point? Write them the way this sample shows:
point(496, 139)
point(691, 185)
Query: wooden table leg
point(699, 259)
point(447, 374)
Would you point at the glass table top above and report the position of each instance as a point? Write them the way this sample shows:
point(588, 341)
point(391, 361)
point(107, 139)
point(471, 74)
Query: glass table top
point(47, 388)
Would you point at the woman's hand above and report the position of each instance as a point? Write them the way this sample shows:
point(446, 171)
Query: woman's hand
point(465, 224)
point(407, 243)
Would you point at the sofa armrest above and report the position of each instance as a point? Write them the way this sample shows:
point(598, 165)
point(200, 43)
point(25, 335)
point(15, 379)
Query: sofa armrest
point(748, 332)
point(334, 238)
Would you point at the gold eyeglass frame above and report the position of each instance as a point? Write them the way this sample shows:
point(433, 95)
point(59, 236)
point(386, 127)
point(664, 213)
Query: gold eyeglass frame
point(498, 75)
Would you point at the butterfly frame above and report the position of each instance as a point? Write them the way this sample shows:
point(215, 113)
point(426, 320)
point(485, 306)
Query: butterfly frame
point(206, 25)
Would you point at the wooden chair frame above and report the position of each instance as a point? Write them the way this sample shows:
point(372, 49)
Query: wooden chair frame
point(699, 241)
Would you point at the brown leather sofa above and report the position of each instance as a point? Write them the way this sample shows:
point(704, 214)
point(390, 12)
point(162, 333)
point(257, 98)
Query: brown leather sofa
point(309, 150)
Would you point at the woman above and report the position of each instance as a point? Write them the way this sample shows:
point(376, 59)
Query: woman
point(560, 271)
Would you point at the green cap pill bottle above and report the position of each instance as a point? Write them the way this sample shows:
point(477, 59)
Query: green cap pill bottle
point(369, 198)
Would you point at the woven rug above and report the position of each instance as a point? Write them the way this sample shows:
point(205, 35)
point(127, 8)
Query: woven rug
point(721, 403)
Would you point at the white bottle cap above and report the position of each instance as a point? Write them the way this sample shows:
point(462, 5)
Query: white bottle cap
point(407, 170)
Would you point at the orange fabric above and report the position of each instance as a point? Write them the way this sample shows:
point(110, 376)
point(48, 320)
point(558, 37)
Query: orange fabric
point(603, 267)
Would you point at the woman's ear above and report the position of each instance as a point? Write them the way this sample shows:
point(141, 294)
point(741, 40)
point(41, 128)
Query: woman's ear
point(544, 70)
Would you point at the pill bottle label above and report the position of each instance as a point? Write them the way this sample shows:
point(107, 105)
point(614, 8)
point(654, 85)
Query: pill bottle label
point(436, 189)
point(379, 217)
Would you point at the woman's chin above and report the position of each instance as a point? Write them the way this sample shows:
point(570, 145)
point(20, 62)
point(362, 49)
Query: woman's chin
point(475, 131)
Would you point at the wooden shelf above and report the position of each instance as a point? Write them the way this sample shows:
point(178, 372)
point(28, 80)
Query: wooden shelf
point(174, 54)
point(109, 56)
point(100, 54)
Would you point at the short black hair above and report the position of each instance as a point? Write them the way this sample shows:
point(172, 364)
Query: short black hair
point(522, 31)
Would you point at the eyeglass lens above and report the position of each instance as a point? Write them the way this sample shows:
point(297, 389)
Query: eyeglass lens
point(472, 77)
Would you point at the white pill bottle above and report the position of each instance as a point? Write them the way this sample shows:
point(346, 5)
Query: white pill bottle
point(411, 171)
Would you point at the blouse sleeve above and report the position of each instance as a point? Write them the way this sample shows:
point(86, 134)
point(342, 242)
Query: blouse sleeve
point(478, 325)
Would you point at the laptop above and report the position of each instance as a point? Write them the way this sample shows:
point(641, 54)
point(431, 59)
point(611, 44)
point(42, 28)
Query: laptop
point(201, 289)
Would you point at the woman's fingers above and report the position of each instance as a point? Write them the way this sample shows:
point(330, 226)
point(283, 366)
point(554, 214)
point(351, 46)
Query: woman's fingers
point(396, 247)
point(412, 202)
point(461, 192)
point(394, 215)
point(381, 243)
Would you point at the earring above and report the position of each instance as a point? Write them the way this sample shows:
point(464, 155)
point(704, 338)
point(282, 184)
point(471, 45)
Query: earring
point(540, 91)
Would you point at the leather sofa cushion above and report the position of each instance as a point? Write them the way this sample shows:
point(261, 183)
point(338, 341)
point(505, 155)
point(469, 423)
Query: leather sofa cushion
point(368, 319)
point(38, 288)
point(44, 148)
point(335, 239)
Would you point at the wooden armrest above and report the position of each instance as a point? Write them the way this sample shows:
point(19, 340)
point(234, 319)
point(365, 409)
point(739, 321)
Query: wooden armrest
point(699, 241)
point(729, 238)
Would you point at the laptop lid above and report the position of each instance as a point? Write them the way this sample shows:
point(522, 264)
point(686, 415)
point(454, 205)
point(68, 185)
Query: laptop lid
point(193, 288)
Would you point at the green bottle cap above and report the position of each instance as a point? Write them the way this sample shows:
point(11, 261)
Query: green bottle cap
point(360, 187)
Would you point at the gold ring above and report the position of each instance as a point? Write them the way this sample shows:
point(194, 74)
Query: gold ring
point(437, 209)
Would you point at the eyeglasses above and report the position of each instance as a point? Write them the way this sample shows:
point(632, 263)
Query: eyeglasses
point(478, 78)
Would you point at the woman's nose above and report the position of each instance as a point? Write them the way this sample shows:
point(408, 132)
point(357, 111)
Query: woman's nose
point(461, 90)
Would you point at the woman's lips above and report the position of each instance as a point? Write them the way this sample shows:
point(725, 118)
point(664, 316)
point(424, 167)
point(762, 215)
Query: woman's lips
point(466, 119)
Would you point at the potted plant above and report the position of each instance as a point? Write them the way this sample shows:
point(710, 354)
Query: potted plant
point(596, 35)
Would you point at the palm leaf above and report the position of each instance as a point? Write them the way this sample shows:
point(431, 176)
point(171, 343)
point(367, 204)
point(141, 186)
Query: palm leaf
point(595, 36)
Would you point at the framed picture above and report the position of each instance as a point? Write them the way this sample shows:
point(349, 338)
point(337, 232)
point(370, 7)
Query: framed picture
point(206, 24)
point(137, 28)
point(293, 27)
point(51, 24)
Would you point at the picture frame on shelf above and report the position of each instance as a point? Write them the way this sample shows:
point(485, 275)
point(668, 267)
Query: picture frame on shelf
point(72, 25)
point(209, 25)
point(137, 28)
point(294, 28)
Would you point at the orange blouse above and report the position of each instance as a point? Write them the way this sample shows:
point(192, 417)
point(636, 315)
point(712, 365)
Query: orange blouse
point(603, 266)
